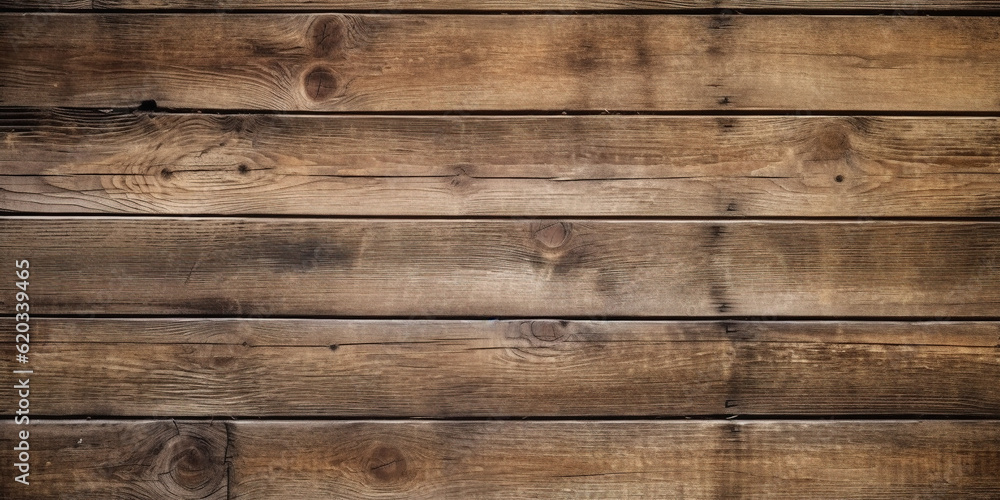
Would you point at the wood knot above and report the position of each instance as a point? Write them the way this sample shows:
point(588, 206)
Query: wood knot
point(327, 36)
point(544, 331)
point(461, 178)
point(193, 466)
point(553, 235)
point(832, 142)
point(222, 362)
point(320, 83)
point(387, 464)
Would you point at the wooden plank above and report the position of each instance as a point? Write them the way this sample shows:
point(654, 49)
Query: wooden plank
point(352, 368)
point(220, 6)
point(514, 268)
point(515, 460)
point(117, 460)
point(468, 62)
point(92, 162)
point(509, 459)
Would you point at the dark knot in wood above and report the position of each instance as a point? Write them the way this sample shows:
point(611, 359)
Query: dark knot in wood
point(327, 36)
point(320, 84)
point(554, 234)
point(387, 464)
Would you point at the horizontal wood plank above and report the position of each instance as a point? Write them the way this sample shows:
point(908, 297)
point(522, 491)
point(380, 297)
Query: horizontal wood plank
point(688, 459)
point(548, 368)
point(509, 459)
point(91, 162)
point(468, 62)
point(220, 6)
point(514, 268)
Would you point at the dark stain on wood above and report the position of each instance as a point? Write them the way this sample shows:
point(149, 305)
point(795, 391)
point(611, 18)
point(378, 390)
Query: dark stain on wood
point(717, 278)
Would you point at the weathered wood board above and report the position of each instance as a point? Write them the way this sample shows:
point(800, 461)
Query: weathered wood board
point(542, 6)
point(578, 166)
point(510, 459)
point(404, 62)
point(506, 268)
point(539, 368)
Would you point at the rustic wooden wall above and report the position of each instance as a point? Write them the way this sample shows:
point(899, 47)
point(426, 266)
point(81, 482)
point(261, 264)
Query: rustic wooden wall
point(502, 249)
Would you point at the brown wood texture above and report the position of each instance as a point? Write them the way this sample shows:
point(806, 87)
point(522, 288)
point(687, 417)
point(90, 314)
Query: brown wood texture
point(316, 249)
point(489, 268)
point(687, 459)
point(119, 460)
point(92, 162)
point(170, 460)
point(543, 368)
point(220, 6)
point(469, 62)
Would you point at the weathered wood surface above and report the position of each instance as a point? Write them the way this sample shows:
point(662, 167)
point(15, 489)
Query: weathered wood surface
point(345, 368)
point(220, 6)
point(92, 162)
point(454, 62)
point(508, 459)
point(688, 459)
point(169, 460)
point(117, 460)
point(515, 268)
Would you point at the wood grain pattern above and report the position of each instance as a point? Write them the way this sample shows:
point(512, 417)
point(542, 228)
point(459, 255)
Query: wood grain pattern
point(469, 62)
point(220, 6)
point(426, 249)
point(115, 460)
point(492, 268)
point(687, 459)
point(511, 459)
point(92, 162)
point(353, 368)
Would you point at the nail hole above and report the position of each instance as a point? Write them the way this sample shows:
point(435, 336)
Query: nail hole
point(243, 169)
point(334, 347)
point(839, 178)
